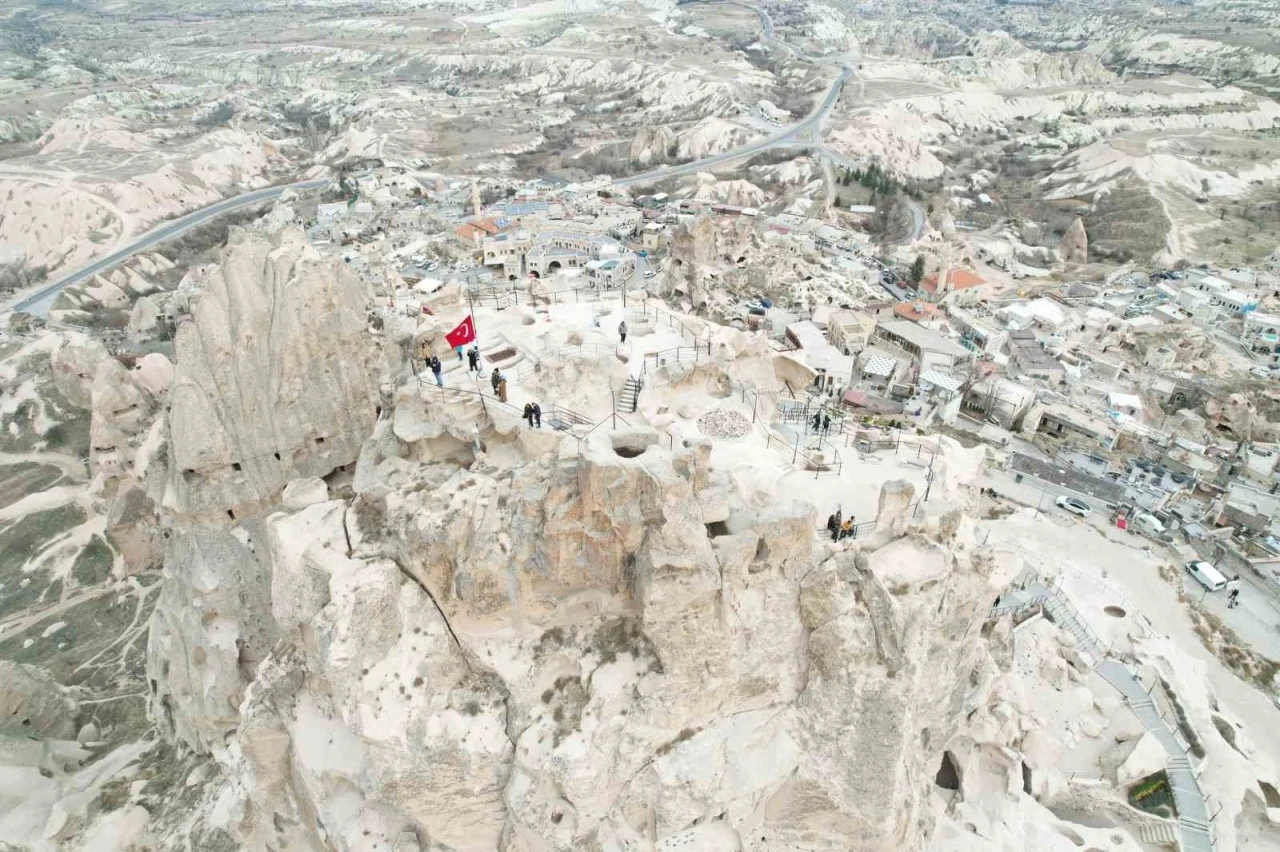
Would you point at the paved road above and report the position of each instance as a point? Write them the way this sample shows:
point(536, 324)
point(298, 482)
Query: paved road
point(794, 136)
point(788, 137)
point(38, 302)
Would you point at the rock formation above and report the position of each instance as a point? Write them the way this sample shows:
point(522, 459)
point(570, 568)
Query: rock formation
point(652, 144)
point(276, 376)
point(1074, 247)
point(74, 363)
point(277, 379)
point(32, 704)
point(511, 639)
point(545, 645)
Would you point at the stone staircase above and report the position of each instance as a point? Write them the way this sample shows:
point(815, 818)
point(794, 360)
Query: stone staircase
point(1160, 834)
point(1193, 832)
point(629, 398)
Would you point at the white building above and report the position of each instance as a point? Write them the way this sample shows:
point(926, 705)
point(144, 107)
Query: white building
point(1124, 403)
point(331, 212)
point(833, 368)
point(1261, 335)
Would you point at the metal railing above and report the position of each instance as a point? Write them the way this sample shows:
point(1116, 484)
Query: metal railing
point(559, 414)
point(503, 298)
point(676, 354)
point(819, 465)
point(444, 391)
point(645, 310)
point(558, 417)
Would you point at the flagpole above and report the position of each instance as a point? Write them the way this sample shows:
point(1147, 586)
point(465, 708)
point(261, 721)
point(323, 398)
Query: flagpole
point(471, 309)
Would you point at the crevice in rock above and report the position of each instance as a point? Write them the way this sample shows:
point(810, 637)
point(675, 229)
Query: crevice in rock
point(409, 575)
point(346, 532)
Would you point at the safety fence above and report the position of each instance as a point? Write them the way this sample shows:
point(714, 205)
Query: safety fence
point(556, 416)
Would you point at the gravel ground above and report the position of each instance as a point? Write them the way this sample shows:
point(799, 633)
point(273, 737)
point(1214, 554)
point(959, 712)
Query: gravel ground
point(722, 423)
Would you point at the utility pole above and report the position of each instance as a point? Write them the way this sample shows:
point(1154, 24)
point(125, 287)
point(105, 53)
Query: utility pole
point(928, 486)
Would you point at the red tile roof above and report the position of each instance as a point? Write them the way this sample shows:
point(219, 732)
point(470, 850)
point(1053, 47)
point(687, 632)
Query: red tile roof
point(915, 311)
point(958, 279)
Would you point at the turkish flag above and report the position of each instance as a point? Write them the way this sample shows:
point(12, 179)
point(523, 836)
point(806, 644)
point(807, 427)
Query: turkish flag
point(463, 334)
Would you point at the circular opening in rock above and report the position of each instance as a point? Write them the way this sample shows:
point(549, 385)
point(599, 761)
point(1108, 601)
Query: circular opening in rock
point(1114, 611)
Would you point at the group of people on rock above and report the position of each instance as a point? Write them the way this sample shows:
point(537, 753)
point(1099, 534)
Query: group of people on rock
point(499, 383)
point(842, 527)
point(473, 366)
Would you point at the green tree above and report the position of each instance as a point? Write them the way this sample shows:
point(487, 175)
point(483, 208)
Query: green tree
point(917, 270)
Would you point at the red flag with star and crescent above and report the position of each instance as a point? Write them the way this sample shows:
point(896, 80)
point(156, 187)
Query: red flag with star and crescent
point(463, 334)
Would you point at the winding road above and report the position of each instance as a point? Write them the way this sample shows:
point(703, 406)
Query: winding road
point(805, 134)
point(38, 302)
point(787, 138)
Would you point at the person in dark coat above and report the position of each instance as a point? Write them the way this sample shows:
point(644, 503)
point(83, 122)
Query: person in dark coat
point(817, 420)
point(537, 416)
point(494, 378)
point(834, 525)
point(622, 331)
point(435, 370)
point(826, 423)
point(528, 414)
point(473, 359)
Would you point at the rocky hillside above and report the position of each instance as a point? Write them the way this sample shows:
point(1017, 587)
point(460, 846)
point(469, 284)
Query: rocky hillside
point(372, 631)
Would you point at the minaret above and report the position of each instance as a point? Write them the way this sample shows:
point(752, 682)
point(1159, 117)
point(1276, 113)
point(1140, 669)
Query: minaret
point(475, 197)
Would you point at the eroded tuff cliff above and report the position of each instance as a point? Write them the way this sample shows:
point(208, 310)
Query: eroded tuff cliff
point(276, 376)
point(276, 379)
point(488, 637)
point(554, 645)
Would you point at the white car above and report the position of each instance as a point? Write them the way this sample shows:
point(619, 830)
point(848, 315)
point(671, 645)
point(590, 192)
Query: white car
point(433, 266)
point(463, 267)
point(1206, 575)
point(650, 273)
point(1075, 506)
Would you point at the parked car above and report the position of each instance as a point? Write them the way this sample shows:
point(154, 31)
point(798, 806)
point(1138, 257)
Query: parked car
point(649, 273)
point(1150, 526)
point(1075, 506)
point(1206, 575)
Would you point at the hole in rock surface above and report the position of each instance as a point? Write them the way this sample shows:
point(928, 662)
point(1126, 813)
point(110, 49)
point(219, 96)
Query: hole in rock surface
point(1114, 611)
point(948, 777)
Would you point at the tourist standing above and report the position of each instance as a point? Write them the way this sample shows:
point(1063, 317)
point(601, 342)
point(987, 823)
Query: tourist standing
point(473, 359)
point(435, 370)
point(537, 415)
point(622, 330)
point(494, 378)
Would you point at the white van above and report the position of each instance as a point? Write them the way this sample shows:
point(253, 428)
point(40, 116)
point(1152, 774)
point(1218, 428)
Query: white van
point(1206, 575)
point(1149, 525)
